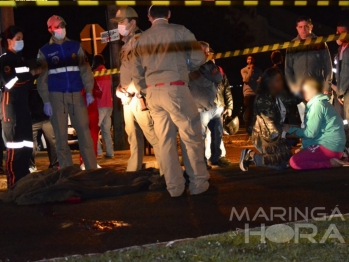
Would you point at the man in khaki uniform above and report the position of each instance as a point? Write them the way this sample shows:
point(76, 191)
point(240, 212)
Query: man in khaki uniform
point(163, 55)
point(137, 118)
point(65, 72)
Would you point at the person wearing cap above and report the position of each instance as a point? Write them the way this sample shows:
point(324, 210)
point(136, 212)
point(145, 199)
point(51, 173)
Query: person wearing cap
point(138, 122)
point(65, 72)
point(163, 57)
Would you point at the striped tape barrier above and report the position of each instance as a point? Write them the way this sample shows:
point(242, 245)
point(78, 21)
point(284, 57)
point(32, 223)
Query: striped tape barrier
point(18, 3)
point(272, 47)
point(106, 72)
point(259, 49)
point(255, 50)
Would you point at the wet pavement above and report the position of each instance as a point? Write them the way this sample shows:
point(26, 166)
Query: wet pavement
point(29, 233)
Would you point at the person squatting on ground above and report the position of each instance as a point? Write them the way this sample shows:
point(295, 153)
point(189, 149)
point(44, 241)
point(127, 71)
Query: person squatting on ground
point(224, 103)
point(65, 72)
point(17, 80)
point(170, 102)
point(105, 105)
point(250, 77)
point(203, 88)
point(41, 124)
point(323, 137)
point(138, 122)
point(272, 108)
point(342, 75)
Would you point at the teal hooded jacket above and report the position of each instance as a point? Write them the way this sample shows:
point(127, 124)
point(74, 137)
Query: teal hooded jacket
point(323, 125)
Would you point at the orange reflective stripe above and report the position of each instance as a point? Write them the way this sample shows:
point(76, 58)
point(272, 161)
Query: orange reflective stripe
point(3, 107)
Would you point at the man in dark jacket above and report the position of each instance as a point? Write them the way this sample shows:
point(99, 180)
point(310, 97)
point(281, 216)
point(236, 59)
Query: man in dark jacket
point(342, 72)
point(203, 86)
point(41, 122)
point(224, 103)
point(310, 60)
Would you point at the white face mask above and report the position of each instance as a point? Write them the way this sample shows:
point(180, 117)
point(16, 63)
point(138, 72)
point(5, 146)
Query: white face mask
point(60, 33)
point(339, 42)
point(122, 30)
point(18, 45)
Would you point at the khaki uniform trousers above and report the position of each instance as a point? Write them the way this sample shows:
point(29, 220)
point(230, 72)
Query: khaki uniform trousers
point(74, 105)
point(137, 123)
point(173, 109)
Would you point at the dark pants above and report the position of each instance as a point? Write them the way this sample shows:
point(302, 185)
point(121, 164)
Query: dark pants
point(248, 113)
point(339, 107)
point(18, 134)
point(50, 139)
point(346, 114)
point(2, 145)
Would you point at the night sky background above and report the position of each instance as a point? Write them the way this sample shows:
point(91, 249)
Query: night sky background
point(211, 24)
point(222, 27)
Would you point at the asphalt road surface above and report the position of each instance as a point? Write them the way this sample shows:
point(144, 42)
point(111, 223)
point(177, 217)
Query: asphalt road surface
point(30, 233)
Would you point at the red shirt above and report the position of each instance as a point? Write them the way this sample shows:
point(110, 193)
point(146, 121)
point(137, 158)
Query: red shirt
point(105, 84)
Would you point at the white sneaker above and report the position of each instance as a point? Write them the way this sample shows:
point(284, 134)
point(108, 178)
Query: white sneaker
point(98, 166)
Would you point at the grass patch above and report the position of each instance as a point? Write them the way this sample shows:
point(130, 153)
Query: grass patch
point(232, 246)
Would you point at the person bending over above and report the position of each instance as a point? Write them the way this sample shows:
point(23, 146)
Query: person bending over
point(323, 137)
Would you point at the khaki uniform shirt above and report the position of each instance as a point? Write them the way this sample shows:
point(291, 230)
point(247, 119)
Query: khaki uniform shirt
point(85, 73)
point(126, 56)
point(165, 53)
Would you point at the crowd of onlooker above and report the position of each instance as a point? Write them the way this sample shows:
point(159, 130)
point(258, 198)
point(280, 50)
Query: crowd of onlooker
point(170, 84)
point(294, 100)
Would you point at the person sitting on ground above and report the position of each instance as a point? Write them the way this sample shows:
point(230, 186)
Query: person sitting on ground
point(323, 138)
point(272, 107)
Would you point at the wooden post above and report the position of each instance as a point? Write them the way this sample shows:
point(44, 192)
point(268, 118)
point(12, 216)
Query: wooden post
point(120, 137)
point(7, 18)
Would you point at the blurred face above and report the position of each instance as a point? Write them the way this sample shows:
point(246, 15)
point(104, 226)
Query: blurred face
point(276, 85)
point(309, 90)
point(250, 60)
point(11, 42)
point(342, 29)
point(304, 29)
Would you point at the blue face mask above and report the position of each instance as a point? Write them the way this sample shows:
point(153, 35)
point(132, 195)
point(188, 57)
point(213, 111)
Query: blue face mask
point(18, 45)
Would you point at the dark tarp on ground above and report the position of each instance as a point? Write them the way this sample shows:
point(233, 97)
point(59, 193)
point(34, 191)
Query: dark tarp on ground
point(60, 185)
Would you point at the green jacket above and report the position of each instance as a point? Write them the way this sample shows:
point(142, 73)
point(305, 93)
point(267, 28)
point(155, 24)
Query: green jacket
point(323, 125)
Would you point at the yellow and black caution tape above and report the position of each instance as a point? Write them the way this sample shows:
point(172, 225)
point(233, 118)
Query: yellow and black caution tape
point(255, 50)
point(272, 47)
point(106, 72)
point(17, 3)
